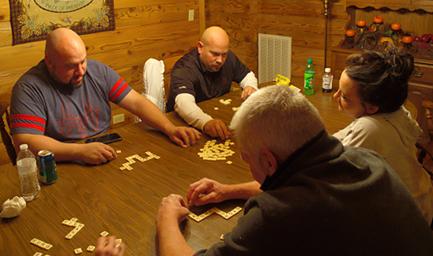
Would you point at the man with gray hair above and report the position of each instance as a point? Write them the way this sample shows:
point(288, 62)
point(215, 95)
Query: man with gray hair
point(316, 197)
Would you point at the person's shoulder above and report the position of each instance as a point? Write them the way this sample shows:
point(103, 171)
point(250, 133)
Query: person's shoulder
point(32, 77)
point(232, 57)
point(98, 69)
point(286, 199)
point(187, 66)
point(95, 64)
point(368, 124)
point(188, 60)
point(231, 54)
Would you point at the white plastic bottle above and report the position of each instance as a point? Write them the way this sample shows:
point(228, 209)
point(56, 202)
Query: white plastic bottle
point(28, 173)
point(327, 80)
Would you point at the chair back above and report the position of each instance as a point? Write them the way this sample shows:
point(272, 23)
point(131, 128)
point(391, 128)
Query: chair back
point(4, 131)
point(169, 64)
point(425, 120)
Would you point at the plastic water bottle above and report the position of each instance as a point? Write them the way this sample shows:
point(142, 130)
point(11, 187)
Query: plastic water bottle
point(309, 77)
point(327, 80)
point(27, 171)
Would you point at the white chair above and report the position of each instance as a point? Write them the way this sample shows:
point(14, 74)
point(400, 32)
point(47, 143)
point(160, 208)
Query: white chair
point(153, 78)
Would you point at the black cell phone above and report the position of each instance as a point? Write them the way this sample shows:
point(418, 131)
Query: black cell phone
point(106, 139)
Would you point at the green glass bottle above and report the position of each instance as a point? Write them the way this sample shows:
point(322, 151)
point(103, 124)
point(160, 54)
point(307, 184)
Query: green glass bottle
point(309, 77)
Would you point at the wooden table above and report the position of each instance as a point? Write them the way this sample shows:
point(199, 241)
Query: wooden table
point(125, 203)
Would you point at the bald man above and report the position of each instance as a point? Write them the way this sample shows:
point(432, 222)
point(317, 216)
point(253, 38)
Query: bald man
point(66, 97)
point(204, 73)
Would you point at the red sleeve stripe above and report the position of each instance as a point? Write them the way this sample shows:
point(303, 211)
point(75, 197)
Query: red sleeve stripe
point(115, 86)
point(20, 117)
point(123, 88)
point(27, 125)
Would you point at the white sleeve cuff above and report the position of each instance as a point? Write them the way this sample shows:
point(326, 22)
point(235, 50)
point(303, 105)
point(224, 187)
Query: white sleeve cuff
point(186, 107)
point(249, 80)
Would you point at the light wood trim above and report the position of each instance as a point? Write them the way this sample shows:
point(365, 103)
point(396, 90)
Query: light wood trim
point(202, 15)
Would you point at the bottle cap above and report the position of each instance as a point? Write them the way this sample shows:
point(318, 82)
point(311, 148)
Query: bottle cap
point(24, 146)
point(328, 70)
point(310, 61)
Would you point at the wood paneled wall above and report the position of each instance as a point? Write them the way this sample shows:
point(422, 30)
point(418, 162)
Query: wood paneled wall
point(144, 28)
point(240, 19)
point(302, 20)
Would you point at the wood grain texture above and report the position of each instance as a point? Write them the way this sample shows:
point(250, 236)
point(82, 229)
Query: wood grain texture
point(143, 29)
point(302, 20)
point(240, 20)
point(125, 203)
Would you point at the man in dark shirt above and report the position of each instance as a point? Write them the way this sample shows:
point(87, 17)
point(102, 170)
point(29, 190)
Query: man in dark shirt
point(204, 73)
point(312, 195)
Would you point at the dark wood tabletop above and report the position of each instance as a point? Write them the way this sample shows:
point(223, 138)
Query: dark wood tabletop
point(125, 203)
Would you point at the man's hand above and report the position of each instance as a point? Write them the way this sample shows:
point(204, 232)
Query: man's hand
point(96, 153)
point(172, 207)
point(107, 246)
point(247, 91)
point(217, 128)
point(184, 136)
point(206, 191)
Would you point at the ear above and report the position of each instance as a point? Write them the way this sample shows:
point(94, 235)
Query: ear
point(268, 161)
point(371, 109)
point(200, 46)
point(48, 61)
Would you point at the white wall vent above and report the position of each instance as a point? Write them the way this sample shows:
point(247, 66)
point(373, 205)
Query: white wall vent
point(275, 56)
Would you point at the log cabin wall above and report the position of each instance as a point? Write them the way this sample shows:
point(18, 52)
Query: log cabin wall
point(240, 19)
point(303, 20)
point(144, 28)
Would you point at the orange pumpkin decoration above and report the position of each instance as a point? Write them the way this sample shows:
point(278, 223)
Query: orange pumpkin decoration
point(350, 33)
point(395, 26)
point(407, 39)
point(378, 19)
point(361, 23)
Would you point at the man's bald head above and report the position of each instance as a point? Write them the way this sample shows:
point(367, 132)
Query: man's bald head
point(63, 41)
point(215, 35)
point(65, 56)
point(213, 48)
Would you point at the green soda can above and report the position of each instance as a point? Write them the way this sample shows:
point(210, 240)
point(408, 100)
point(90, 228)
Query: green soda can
point(47, 167)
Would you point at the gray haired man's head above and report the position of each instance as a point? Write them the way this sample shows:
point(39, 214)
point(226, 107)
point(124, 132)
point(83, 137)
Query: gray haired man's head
point(278, 119)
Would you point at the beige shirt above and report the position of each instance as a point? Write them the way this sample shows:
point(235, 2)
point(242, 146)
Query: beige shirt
point(393, 136)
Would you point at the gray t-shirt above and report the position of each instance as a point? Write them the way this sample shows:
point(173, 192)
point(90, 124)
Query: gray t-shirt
point(42, 106)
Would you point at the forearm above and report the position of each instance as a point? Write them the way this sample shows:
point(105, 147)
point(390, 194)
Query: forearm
point(62, 151)
point(242, 190)
point(186, 107)
point(171, 240)
point(147, 111)
point(249, 80)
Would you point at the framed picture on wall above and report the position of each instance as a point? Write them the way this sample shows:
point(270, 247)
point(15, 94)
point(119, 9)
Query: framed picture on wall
point(31, 20)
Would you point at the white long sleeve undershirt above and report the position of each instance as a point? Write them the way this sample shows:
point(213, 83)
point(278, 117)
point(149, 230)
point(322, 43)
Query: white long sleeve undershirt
point(249, 80)
point(187, 108)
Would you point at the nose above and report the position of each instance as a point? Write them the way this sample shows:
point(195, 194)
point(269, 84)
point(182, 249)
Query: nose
point(80, 70)
point(219, 59)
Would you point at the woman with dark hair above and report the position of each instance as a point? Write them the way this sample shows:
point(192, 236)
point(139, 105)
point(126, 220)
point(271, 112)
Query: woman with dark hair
point(373, 88)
